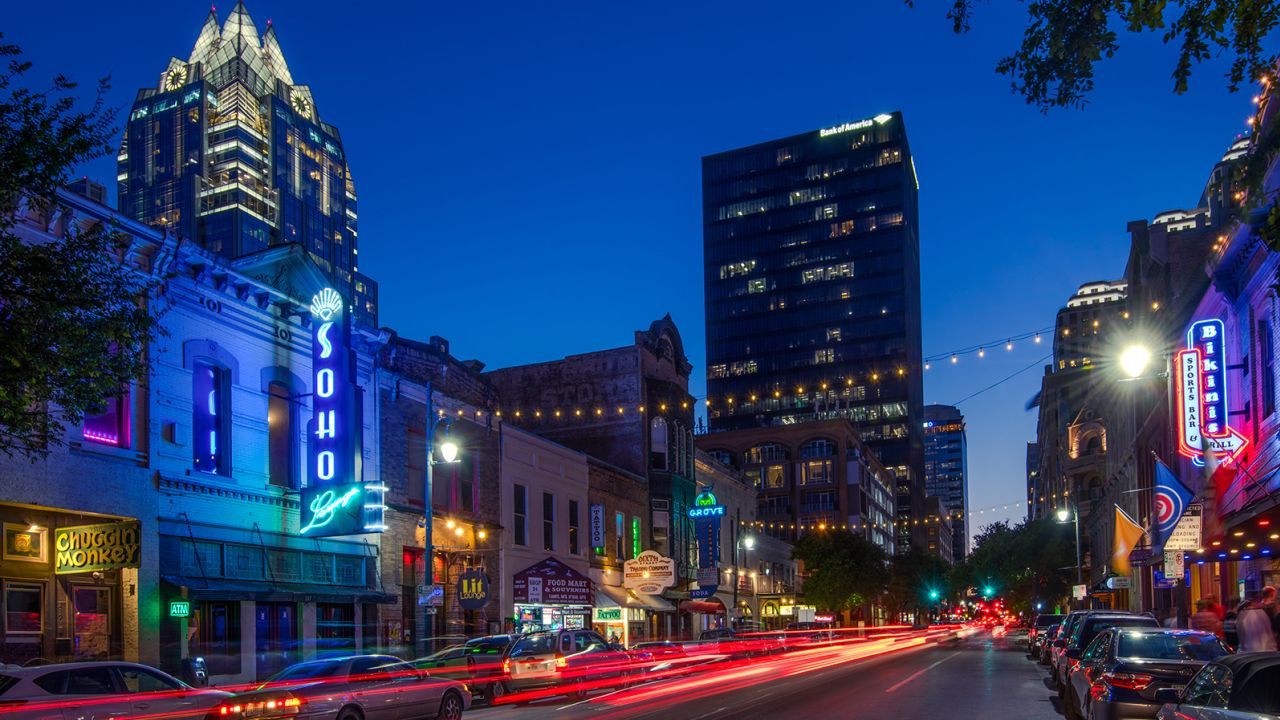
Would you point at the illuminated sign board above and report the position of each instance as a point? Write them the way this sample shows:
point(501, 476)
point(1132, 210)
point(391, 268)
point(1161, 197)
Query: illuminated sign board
point(1200, 390)
point(610, 614)
point(179, 609)
point(473, 589)
point(86, 548)
point(649, 573)
point(850, 126)
point(335, 502)
point(706, 513)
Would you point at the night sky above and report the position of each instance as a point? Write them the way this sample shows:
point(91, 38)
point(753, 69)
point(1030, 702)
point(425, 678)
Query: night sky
point(529, 173)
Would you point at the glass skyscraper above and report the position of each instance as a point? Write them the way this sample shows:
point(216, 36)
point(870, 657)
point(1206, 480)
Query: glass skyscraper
point(946, 469)
point(812, 276)
point(226, 150)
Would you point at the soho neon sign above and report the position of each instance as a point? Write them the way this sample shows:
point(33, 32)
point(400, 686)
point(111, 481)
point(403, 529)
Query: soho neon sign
point(335, 501)
point(1200, 390)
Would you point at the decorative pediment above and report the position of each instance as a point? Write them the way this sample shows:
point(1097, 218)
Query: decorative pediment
point(287, 269)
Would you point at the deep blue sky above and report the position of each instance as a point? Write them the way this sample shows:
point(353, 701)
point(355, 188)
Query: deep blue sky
point(529, 172)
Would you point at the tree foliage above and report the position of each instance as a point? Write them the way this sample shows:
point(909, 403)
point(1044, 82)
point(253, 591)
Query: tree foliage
point(1023, 563)
point(73, 315)
point(844, 571)
point(911, 576)
point(1065, 39)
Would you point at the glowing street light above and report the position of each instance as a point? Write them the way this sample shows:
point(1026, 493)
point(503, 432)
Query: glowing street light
point(1134, 361)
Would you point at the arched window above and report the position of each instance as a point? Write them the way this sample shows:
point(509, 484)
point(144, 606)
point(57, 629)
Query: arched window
point(819, 448)
point(281, 419)
point(658, 444)
point(210, 422)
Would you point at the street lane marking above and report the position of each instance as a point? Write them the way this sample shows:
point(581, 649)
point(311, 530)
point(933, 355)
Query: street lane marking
point(918, 673)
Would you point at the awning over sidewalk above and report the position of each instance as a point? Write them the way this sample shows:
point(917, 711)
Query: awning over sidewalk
point(656, 603)
point(613, 596)
point(216, 589)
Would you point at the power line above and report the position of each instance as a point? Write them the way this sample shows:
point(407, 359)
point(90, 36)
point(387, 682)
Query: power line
point(1005, 379)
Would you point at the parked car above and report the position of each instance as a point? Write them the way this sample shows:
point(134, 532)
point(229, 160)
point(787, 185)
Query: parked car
point(1232, 687)
point(801, 634)
point(484, 665)
point(1046, 647)
point(1084, 632)
point(350, 688)
point(102, 689)
point(1035, 635)
point(736, 643)
point(1123, 668)
point(573, 660)
point(1069, 623)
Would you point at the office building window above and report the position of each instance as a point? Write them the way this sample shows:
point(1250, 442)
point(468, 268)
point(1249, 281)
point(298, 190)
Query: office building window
point(816, 471)
point(520, 530)
point(210, 418)
point(548, 522)
point(573, 528)
point(775, 476)
point(280, 424)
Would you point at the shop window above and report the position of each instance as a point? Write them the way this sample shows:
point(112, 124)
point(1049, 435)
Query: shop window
point(520, 511)
point(573, 528)
point(111, 426)
point(548, 522)
point(210, 418)
point(23, 608)
point(216, 636)
point(335, 626)
point(280, 436)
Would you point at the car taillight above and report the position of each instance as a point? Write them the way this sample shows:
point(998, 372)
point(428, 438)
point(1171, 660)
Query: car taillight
point(506, 667)
point(562, 662)
point(1128, 681)
point(276, 707)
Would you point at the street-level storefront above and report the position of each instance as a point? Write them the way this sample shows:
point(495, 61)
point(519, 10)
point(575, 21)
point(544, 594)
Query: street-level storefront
point(250, 609)
point(68, 584)
point(628, 616)
point(550, 595)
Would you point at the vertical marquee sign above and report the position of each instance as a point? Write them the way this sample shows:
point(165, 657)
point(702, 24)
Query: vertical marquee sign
point(1200, 390)
point(706, 513)
point(335, 501)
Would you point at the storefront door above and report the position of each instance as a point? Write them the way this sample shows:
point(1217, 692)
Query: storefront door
point(276, 637)
point(93, 622)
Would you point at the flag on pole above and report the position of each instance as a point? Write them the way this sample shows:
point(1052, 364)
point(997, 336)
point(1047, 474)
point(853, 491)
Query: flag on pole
point(1128, 533)
point(1171, 500)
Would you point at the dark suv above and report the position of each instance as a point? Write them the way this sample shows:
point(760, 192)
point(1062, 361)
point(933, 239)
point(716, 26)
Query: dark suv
point(575, 660)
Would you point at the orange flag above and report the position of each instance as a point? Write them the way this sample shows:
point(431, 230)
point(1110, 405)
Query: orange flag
point(1128, 533)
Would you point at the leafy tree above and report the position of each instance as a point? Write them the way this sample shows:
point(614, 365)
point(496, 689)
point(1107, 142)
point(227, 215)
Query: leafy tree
point(1065, 39)
point(73, 315)
point(844, 571)
point(911, 576)
point(1022, 563)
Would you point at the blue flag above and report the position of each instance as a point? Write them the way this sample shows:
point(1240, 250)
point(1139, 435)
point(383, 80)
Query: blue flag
point(1171, 501)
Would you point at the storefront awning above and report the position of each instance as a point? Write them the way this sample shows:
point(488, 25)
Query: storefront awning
point(216, 589)
point(611, 596)
point(655, 603)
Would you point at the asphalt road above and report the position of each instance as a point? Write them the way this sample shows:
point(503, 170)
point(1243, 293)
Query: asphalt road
point(979, 676)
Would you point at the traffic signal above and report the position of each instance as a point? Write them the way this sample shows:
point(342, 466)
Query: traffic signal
point(988, 591)
point(934, 594)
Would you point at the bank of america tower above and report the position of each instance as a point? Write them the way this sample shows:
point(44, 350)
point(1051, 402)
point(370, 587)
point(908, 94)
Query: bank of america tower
point(228, 151)
point(812, 277)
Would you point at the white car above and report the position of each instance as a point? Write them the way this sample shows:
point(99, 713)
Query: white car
point(97, 690)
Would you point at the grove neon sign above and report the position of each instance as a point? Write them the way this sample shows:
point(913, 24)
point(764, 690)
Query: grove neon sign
point(1200, 392)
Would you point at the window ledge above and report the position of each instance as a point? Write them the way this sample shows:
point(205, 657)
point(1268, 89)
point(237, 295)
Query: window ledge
point(81, 447)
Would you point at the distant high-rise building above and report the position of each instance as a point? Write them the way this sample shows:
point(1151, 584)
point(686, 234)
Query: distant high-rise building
point(812, 275)
point(946, 469)
point(228, 151)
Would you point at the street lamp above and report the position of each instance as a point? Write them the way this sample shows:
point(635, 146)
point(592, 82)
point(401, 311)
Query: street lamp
point(747, 542)
point(1134, 360)
point(448, 454)
point(1065, 515)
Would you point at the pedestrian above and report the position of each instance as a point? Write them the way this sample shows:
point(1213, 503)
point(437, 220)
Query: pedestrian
point(1217, 607)
point(1171, 618)
point(1254, 627)
point(1229, 630)
point(1269, 604)
point(1205, 619)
